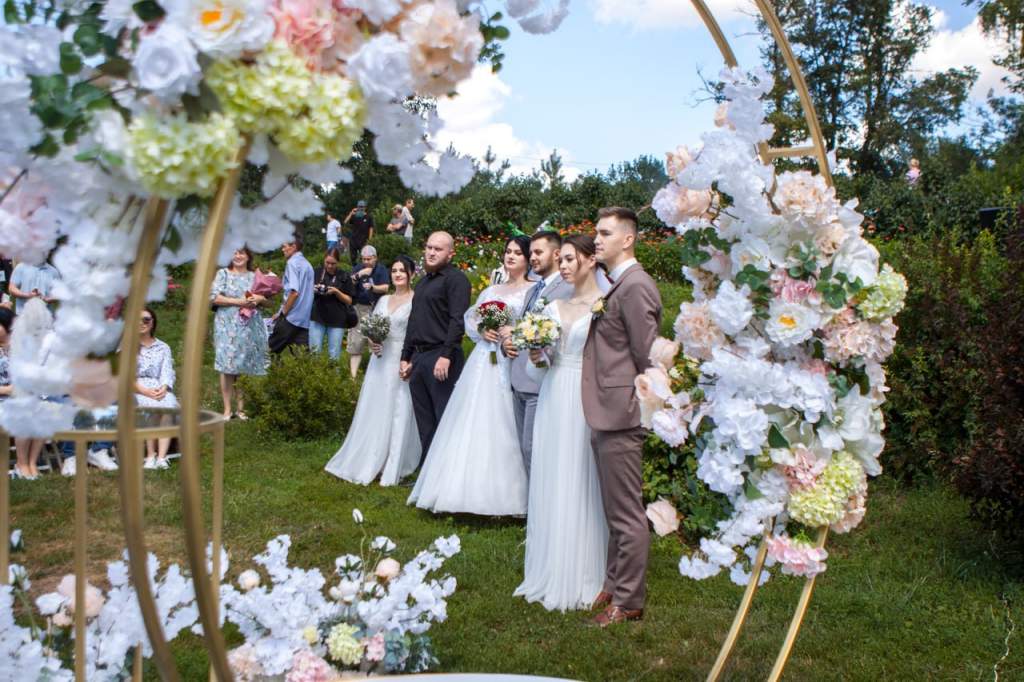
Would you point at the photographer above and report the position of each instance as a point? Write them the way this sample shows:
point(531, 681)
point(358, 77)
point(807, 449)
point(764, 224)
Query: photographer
point(332, 306)
point(371, 282)
point(360, 224)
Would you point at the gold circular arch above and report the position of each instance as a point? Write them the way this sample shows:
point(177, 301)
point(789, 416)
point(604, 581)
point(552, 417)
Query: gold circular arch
point(193, 421)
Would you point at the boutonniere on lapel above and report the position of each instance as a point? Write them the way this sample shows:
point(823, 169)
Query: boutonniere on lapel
point(540, 304)
point(597, 310)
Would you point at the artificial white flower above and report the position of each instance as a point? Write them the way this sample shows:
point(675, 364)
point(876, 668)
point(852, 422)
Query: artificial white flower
point(165, 63)
point(790, 323)
point(382, 544)
point(248, 580)
point(357, 516)
point(731, 309)
point(857, 259)
point(382, 68)
point(224, 28)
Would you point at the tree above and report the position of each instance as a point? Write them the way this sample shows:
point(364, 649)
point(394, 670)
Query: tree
point(856, 56)
point(552, 169)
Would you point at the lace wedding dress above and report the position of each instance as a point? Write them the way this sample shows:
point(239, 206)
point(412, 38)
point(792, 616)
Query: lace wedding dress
point(383, 439)
point(566, 532)
point(474, 464)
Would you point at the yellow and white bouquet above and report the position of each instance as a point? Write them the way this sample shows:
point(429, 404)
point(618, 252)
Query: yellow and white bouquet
point(536, 331)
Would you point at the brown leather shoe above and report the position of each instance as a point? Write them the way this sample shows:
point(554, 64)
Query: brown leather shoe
point(601, 601)
point(616, 614)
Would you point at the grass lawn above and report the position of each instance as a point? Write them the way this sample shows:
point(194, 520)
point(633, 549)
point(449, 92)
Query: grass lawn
point(916, 593)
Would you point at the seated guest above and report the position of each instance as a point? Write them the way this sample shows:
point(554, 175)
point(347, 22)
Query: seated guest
point(154, 381)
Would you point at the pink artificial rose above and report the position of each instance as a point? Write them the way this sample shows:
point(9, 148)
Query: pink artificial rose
point(807, 467)
point(93, 596)
point(854, 514)
point(797, 290)
point(92, 383)
point(672, 425)
point(244, 663)
point(722, 116)
point(663, 516)
point(375, 648)
point(797, 558)
point(444, 45)
point(830, 238)
point(695, 329)
point(664, 352)
point(306, 26)
point(677, 160)
point(388, 568)
point(308, 667)
point(652, 390)
point(675, 204)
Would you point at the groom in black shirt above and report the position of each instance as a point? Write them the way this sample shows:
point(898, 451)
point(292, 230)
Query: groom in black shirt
point(432, 355)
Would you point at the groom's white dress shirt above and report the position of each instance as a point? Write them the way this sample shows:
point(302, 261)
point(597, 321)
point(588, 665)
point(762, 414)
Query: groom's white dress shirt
point(620, 269)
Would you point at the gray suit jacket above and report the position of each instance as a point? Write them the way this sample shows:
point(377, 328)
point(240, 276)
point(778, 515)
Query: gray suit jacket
point(617, 351)
point(558, 290)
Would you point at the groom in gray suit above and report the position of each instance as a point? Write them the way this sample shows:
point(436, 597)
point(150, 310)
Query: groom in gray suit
point(544, 250)
point(624, 327)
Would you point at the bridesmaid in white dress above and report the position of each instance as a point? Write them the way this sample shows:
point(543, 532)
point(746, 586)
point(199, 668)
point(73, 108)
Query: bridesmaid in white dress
point(474, 464)
point(383, 439)
point(566, 532)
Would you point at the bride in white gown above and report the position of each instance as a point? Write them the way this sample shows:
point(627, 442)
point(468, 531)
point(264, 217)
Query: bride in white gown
point(474, 464)
point(566, 532)
point(383, 438)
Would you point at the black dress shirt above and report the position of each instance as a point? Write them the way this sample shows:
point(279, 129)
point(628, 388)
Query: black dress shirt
point(438, 309)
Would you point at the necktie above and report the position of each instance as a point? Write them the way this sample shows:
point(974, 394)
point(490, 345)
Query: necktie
point(534, 295)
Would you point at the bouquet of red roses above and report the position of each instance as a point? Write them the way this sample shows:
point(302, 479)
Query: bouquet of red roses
point(493, 316)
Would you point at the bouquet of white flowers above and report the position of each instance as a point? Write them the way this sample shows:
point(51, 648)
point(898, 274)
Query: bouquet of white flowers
point(375, 327)
point(536, 331)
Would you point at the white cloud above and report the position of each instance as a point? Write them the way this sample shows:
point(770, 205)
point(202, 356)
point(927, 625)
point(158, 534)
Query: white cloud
point(471, 123)
point(657, 14)
point(967, 46)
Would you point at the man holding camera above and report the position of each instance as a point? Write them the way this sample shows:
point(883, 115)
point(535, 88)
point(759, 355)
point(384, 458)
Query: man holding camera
point(372, 281)
point(360, 224)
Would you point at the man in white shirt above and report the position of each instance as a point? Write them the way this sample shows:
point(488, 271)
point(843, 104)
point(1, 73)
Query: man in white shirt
point(333, 232)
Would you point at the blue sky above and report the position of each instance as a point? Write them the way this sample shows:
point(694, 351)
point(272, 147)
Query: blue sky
point(621, 78)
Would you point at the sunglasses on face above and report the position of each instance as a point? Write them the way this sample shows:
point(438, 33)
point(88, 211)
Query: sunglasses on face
point(146, 319)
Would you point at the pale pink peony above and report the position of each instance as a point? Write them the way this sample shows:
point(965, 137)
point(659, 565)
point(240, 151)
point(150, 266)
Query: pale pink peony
point(854, 513)
point(94, 599)
point(829, 238)
point(847, 338)
point(675, 204)
point(676, 161)
point(348, 38)
point(695, 329)
point(244, 663)
point(652, 390)
point(308, 667)
point(28, 229)
point(92, 383)
point(804, 196)
point(797, 290)
point(797, 558)
point(307, 26)
point(663, 516)
point(664, 352)
point(672, 425)
point(444, 45)
point(375, 647)
point(388, 568)
point(804, 472)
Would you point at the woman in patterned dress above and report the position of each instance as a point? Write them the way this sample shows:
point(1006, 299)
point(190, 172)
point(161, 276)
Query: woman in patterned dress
point(154, 380)
point(240, 343)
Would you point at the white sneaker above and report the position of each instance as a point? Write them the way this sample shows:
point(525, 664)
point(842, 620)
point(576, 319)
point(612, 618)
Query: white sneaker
point(163, 464)
point(102, 460)
point(150, 463)
point(68, 467)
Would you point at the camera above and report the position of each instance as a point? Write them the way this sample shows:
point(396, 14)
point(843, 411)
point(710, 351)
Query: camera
point(320, 289)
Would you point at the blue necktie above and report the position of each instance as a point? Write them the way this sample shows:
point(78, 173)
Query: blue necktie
point(534, 295)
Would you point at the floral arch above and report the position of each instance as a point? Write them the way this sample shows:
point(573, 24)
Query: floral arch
point(114, 112)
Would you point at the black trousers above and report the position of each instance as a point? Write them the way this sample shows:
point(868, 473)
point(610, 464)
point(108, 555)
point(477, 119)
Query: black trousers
point(430, 396)
point(286, 334)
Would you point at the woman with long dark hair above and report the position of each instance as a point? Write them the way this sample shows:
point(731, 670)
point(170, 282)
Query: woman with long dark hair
point(383, 439)
point(474, 464)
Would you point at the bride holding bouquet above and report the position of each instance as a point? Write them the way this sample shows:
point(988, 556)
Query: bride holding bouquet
point(474, 464)
point(383, 439)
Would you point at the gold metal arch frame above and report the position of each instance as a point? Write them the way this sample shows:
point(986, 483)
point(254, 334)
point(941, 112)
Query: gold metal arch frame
point(768, 154)
point(194, 421)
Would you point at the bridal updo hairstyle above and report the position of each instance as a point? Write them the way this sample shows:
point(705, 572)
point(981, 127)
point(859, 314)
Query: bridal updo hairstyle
point(583, 243)
point(407, 264)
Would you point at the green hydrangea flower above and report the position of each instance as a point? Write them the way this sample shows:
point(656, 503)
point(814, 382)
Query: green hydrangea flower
point(343, 646)
point(260, 95)
point(825, 503)
point(885, 297)
point(175, 157)
point(331, 121)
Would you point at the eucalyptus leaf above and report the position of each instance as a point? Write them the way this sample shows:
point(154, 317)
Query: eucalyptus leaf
point(776, 439)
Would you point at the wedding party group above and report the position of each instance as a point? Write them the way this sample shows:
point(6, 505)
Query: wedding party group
point(541, 419)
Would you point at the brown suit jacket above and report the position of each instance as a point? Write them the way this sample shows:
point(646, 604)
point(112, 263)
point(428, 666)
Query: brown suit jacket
point(618, 349)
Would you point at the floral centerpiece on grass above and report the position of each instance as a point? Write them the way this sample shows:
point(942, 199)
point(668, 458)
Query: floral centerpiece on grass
point(108, 103)
point(775, 374)
point(373, 617)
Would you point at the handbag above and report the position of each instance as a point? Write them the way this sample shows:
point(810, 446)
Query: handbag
point(351, 317)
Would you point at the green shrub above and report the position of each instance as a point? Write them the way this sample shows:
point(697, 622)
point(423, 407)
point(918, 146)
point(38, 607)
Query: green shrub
point(390, 246)
point(672, 473)
point(303, 396)
point(662, 259)
point(934, 373)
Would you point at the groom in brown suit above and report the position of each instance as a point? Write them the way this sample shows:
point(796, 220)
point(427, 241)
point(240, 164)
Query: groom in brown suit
point(617, 350)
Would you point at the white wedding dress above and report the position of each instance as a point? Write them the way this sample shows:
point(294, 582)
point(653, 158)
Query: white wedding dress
point(566, 532)
point(474, 464)
point(383, 438)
